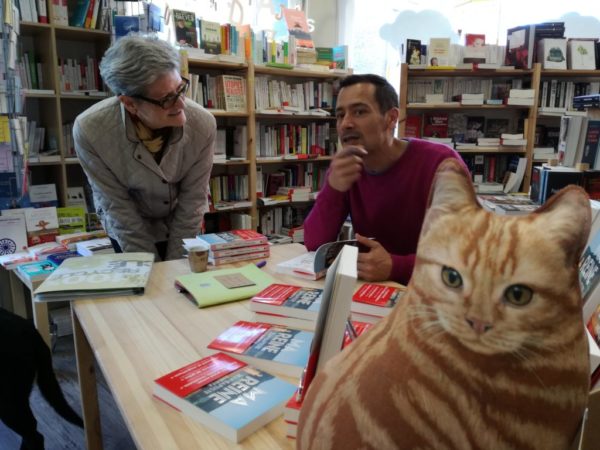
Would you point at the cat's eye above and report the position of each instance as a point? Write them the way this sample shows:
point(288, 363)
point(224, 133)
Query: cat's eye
point(451, 277)
point(518, 295)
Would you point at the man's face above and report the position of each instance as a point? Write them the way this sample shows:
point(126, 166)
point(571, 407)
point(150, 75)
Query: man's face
point(359, 121)
point(154, 116)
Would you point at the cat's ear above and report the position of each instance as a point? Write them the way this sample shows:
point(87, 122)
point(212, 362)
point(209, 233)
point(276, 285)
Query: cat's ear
point(451, 187)
point(451, 191)
point(566, 218)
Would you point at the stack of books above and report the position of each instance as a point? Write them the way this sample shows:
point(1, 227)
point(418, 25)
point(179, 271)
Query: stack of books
point(524, 97)
point(231, 246)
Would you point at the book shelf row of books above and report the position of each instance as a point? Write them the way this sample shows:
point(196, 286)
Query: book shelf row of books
point(546, 180)
point(525, 45)
point(557, 95)
point(578, 141)
point(545, 43)
point(232, 144)
point(32, 10)
point(229, 188)
point(300, 175)
point(291, 227)
point(224, 92)
point(440, 52)
point(79, 75)
point(495, 169)
point(491, 88)
point(459, 127)
point(292, 97)
point(295, 139)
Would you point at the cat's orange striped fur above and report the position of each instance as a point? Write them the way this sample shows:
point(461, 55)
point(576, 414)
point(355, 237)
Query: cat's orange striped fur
point(468, 358)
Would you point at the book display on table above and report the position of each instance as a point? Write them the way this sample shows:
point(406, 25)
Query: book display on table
point(97, 276)
point(589, 277)
point(215, 287)
point(287, 305)
point(226, 395)
point(314, 265)
point(271, 348)
point(95, 247)
point(376, 299)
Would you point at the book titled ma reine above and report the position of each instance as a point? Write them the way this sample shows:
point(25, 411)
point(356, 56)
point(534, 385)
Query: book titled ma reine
point(97, 276)
point(228, 396)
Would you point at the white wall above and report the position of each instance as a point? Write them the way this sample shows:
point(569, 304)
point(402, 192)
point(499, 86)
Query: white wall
point(325, 16)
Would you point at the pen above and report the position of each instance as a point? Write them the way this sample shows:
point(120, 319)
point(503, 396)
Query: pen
point(261, 264)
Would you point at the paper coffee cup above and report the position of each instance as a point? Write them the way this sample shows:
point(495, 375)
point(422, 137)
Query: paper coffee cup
point(198, 258)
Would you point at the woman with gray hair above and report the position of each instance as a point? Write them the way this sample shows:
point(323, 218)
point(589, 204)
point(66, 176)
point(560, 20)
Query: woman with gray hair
point(147, 152)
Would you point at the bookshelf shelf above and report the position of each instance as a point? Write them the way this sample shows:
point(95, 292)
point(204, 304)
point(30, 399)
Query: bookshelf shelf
point(534, 117)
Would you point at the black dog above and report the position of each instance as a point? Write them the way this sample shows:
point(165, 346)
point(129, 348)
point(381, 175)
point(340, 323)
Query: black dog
point(24, 356)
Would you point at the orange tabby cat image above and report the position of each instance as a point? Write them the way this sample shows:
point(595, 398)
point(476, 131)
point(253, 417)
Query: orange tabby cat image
point(486, 349)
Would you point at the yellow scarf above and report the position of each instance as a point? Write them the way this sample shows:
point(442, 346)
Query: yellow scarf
point(153, 140)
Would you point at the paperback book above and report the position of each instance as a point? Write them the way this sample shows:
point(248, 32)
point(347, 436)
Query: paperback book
point(224, 394)
point(287, 300)
point(314, 265)
point(215, 287)
point(37, 270)
point(185, 28)
point(376, 299)
point(13, 237)
point(271, 348)
point(334, 315)
point(116, 274)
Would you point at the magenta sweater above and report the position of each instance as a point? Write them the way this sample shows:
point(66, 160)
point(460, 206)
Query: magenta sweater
point(388, 206)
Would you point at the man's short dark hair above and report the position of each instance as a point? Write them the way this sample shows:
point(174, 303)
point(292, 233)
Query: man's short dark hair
point(385, 95)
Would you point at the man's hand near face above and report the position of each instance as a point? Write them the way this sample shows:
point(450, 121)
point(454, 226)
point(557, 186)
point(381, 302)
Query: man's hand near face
point(346, 168)
point(376, 264)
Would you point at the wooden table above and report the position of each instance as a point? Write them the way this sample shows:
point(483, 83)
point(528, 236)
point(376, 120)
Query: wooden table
point(39, 309)
point(136, 339)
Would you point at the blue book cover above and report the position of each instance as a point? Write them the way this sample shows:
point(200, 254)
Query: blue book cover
point(123, 25)
point(58, 258)
point(269, 347)
point(38, 270)
point(154, 18)
point(223, 393)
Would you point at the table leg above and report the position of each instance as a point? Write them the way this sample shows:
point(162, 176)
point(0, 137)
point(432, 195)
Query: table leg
point(42, 320)
point(87, 384)
point(17, 295)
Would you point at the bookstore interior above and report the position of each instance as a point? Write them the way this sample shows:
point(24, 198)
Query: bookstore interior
point(517, 96)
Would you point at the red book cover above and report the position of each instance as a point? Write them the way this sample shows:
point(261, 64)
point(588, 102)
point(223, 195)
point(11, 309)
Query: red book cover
point(436, 125)
point(358, 328)
point(276, 294)
point(192, 377)
point(375, 299)
point(413, 126)
point(239, 337)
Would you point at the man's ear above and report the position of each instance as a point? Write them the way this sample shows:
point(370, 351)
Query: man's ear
point(391, 117)
point(129, 103)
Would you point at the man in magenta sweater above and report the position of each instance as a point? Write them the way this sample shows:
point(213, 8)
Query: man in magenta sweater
point(381, 181)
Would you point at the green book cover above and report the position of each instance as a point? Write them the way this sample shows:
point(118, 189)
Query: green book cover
point(222, 286)
point(71, 219)
point(102, 275)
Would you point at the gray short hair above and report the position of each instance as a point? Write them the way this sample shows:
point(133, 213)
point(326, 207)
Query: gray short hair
point(136, 61)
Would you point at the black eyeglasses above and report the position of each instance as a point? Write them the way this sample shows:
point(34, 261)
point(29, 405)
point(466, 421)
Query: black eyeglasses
point(170, 100)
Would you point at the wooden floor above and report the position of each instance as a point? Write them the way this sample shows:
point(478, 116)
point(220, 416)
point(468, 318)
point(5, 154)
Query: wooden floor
point(60, 434)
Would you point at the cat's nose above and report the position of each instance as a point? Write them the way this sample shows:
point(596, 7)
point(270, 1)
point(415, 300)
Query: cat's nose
point(479, 326)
